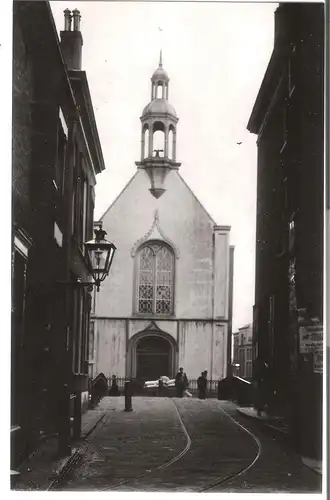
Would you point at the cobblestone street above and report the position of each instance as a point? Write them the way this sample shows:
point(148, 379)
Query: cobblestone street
point(186, 445)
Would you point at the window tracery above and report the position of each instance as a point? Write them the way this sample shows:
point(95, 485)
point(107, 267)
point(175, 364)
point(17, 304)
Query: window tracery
point(155, 279)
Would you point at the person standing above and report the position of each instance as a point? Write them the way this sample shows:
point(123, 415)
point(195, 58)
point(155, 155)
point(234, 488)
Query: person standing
point(114, 389)
point(205, 375)
point(201, 385)
point(181, 383)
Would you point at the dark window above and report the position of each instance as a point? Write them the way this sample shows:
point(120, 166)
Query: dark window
point(18, 294)
point(74, 188)
point(76, 327)
point(82, 213)
point(19, 265)
point(91, 340)
point(60, 159)
point(86, 304)
point(62, 142)
point(80, 325)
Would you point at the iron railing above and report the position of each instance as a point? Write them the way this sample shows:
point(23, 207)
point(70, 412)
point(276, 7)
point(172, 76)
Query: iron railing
point(138, 387)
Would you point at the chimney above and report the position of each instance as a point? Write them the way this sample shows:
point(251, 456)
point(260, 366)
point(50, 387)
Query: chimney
point(71, 40)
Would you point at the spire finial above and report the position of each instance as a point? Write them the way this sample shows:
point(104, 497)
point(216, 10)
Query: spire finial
point(161, 58)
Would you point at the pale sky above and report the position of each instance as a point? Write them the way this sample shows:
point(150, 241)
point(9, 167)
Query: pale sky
point(216, 55)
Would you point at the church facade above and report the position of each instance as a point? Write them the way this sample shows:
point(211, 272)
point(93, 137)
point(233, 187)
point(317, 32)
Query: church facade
point(167, 301)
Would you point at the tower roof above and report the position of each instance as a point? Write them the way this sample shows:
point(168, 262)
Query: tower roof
point(159, 107)
point(160, 74)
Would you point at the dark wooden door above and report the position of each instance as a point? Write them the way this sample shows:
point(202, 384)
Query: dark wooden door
point(153, 358)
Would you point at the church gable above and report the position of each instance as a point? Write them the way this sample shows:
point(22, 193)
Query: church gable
point(177, 219)
point(157, 209)
point(165, 303)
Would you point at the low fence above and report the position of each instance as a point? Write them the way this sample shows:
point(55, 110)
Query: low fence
point(140, 390)
point(231, 388)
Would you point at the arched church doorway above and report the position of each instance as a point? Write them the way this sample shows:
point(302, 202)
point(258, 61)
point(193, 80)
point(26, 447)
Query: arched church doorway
point(153, 357)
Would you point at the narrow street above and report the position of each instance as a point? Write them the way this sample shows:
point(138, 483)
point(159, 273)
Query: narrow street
point(163, 242)
point(186, 445)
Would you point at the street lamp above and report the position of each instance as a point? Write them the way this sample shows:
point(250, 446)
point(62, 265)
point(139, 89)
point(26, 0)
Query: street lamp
point(100, 253)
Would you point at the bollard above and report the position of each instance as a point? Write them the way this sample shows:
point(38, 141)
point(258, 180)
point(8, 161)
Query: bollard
point(160, 388)
point(128, 396)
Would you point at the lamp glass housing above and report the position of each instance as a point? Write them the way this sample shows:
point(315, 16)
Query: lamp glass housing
point(100, 253)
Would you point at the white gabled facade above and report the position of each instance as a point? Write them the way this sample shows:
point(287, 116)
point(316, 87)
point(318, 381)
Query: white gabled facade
point(166, 301)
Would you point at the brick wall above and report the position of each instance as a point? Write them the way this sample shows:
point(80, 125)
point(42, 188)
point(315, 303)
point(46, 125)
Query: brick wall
point(22, 132)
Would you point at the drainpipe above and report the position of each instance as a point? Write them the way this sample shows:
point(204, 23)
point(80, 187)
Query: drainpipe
point(230, 310)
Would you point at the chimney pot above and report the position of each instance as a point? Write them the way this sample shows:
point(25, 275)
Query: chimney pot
point(76, 20)
point(71, 40)
point(67, 20)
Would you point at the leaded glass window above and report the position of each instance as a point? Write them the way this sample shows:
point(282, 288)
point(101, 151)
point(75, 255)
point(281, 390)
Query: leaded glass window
point(155, 279)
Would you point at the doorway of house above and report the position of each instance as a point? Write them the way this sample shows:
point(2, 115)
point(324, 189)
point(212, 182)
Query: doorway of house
point(153, 358)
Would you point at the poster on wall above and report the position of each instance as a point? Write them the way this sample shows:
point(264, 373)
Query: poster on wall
point(311, 341)
point(318, 362)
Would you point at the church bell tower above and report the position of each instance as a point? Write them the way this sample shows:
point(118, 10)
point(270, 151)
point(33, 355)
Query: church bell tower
point(158, 133)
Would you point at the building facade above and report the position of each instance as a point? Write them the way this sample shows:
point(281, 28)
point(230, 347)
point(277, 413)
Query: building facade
point(168, 298)
point(56, 156)
point(242, 355)
point(288, 119)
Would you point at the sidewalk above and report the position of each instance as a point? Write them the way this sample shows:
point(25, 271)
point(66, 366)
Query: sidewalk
point(277, 424)
point(264, 416)
point(43, 468)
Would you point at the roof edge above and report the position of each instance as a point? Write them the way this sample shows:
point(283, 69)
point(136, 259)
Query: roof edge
point(118, 196)
point(262, 101)
point(192, 192)
point(81, 76)
point(221, 228)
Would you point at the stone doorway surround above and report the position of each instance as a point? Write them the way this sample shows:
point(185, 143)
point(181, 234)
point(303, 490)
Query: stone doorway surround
point(151, 331)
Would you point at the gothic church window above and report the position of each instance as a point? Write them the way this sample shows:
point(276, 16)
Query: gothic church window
point(155, 279)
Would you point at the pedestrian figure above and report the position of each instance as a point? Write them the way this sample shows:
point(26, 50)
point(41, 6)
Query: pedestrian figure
point(205, 373)
point(181, 383)
point(201, 385)
point(114, 390)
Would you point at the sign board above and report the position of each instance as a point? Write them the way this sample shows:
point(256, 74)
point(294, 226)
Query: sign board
point(318, 362)
point(311, 341)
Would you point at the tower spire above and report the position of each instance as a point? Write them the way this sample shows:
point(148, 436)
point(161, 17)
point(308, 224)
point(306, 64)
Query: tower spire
point(161, 59)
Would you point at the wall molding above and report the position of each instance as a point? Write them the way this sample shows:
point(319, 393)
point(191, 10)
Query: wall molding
point(155, 233)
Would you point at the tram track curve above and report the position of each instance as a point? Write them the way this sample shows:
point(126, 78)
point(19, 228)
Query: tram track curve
point(169, 463)
point(230, 477)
